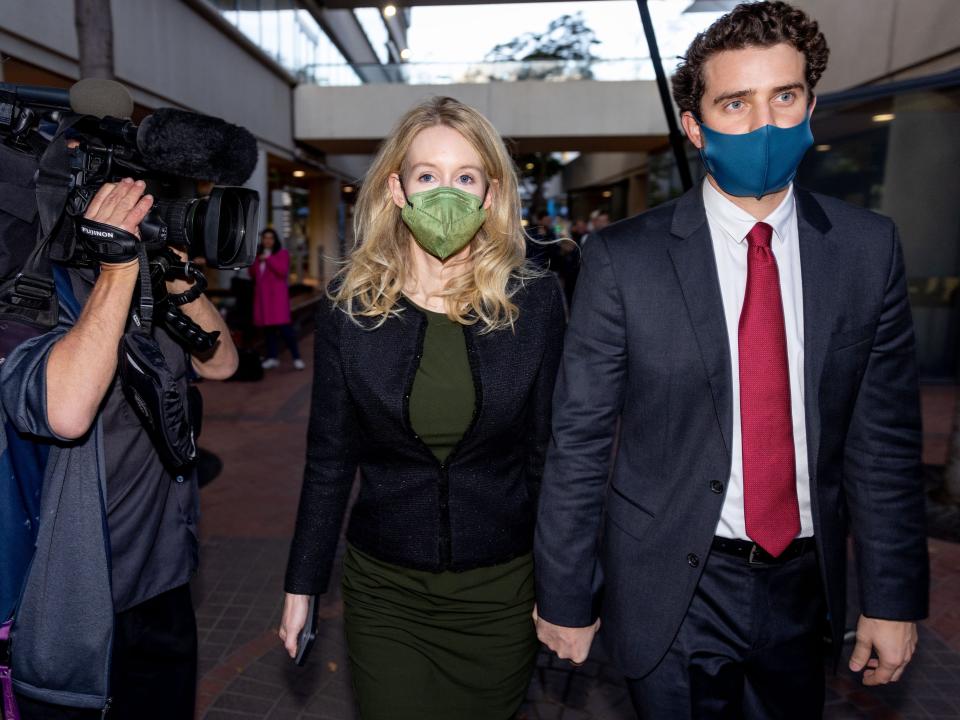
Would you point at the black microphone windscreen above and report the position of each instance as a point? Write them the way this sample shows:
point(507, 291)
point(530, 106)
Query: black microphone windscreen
point(197, 146)
point(101, 98)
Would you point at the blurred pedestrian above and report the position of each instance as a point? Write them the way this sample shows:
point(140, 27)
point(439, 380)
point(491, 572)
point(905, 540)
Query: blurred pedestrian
point(599, 219)
point(540, 241)
point(435, 361)
point(578, 229)
point(271, 298)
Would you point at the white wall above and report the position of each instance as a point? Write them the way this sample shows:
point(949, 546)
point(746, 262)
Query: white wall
point(167, 54)
point(870, 39)
point(518, 109)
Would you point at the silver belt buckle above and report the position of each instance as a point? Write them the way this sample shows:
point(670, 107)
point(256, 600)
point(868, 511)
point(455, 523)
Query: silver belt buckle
point(752, 560)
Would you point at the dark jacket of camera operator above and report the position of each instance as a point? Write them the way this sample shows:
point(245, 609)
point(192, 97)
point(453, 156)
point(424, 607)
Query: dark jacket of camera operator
point(62, 388)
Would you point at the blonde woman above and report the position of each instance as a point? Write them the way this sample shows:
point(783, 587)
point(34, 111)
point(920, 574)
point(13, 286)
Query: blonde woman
point(435, 363)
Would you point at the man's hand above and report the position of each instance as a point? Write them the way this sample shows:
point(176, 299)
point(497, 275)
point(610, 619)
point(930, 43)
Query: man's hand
point(222, 362)
point(179, 285)
point(571, 644)
point(122, 205)
point(894, 641)
point(295, 608)
point(82, 364)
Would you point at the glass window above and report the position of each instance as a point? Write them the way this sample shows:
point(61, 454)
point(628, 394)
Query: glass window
point(371, 21)
point(290, 35)
point(286, 34)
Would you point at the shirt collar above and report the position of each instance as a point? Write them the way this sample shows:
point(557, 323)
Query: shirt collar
point(737, 222)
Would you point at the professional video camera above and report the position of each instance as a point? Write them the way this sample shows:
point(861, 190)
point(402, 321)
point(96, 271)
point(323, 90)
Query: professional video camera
point(83, 139)
point(57, 149)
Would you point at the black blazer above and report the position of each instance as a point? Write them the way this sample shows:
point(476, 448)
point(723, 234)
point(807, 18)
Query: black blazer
point(475, 509)
point(647, 343)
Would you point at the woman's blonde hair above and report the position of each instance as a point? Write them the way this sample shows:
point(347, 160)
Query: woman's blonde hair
point(371, 283)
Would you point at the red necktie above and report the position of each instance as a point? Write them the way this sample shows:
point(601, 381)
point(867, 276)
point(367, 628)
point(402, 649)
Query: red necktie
point(770, 504)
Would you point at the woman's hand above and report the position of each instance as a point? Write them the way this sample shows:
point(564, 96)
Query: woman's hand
point(294, 617)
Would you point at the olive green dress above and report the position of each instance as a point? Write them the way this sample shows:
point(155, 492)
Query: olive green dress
point(449, 645)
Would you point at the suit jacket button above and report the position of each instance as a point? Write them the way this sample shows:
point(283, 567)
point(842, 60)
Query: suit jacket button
point(716, 486)
point(693, 560)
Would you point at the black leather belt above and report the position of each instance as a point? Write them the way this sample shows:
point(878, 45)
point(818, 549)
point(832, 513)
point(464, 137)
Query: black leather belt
point(756, 555)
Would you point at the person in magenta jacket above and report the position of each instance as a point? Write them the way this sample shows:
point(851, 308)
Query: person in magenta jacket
point(271, 298)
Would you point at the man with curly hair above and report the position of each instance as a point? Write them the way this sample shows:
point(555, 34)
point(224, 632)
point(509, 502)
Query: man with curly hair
point(753, 343)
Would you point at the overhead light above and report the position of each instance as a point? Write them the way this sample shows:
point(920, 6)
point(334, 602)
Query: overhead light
point(348, 188)
point(524, 222)
point(822, 148)
point(405, 54)
point(607, 193)
point(299, 173)
point(883, 117)
point(389, 11)
point(529, 166)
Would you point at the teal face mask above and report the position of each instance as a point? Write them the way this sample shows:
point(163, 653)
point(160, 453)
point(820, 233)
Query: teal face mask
point(756, 163)
point(443, 220)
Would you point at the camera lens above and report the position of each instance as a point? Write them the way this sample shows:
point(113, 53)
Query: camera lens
point(229, 226)
point(231, 230)
point(220, 228)
point(178, 216)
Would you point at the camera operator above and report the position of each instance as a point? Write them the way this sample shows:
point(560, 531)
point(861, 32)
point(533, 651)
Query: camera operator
point(63, 388)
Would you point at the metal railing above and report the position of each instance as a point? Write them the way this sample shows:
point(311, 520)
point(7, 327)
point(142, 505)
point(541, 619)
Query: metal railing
point(442, 73)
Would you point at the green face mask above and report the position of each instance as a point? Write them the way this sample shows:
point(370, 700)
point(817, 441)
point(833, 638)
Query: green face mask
point(443, 220)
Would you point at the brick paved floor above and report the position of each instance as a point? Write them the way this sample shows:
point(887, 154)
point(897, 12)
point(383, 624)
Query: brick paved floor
point(258, 431)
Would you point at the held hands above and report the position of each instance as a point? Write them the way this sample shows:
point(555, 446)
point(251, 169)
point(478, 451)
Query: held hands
point(571, 644)
point(894, 642)
point(122, 205)
point(294, 617)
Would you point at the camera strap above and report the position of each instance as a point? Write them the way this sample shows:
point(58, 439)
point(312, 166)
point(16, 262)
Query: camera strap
point(149, 385)
point(141, 313)
point(106, 243)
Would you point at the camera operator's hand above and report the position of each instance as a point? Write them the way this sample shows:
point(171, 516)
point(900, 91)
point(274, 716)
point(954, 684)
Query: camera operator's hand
point(223, 361)
point(122, 205)
point(179, 285)
point(82, 364)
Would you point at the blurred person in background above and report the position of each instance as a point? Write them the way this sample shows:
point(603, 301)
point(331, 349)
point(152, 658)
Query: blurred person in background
point(599, 219)
point(578, 228)
point(271, 298)
point(540, 243)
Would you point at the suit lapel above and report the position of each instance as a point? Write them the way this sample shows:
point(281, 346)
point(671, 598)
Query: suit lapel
point(696, 269)
point(819, 272)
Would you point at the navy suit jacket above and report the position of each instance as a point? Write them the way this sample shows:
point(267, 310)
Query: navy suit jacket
point(647, 352)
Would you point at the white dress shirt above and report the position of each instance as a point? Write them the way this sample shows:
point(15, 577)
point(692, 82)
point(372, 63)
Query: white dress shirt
point(729, 226)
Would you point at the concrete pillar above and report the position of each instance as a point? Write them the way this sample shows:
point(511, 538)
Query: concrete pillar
point(258, 181)
point(920, 191)
point(322, 241)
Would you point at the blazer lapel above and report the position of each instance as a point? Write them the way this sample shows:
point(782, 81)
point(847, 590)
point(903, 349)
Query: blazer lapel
point(696, 269)
point(819, 272)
